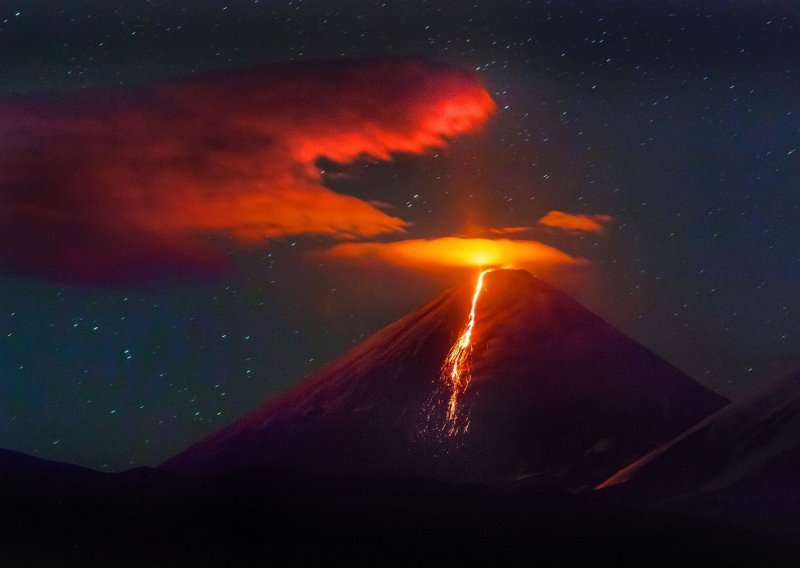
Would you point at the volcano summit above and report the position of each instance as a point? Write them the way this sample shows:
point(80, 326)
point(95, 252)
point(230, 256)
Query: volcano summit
point(556, 394)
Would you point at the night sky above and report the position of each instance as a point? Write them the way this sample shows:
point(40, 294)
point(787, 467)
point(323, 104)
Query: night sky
point(671, 128)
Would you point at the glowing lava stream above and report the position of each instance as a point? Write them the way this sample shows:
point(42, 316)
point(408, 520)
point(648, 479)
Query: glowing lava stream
point(456, 367)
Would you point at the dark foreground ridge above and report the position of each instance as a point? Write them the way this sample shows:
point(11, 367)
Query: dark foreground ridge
point(149, 518)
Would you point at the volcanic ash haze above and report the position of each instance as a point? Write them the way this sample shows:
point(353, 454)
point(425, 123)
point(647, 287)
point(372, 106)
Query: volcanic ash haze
point(556, 394)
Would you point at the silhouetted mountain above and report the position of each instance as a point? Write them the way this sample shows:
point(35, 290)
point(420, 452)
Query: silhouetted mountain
point(557, 395)
point(741, 463)
point(19, 466)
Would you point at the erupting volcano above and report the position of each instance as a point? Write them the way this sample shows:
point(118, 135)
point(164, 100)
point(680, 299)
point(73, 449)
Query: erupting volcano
point(547, 389)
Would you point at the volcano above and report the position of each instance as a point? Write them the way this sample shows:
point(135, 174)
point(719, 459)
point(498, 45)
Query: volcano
point(555, 395)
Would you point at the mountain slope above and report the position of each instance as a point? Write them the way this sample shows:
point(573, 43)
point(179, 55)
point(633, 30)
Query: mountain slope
point(743, 460)
point(557, 394)
point(16, 466)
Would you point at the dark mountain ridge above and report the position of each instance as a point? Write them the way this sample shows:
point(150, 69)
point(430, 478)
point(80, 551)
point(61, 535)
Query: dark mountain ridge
point(741, 463)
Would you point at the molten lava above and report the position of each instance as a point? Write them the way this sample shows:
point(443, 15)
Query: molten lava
point(456, 368)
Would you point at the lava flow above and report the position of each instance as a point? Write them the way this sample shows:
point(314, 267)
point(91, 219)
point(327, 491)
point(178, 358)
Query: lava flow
point(456, 368)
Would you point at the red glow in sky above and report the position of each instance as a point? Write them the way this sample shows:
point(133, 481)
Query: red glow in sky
point(111, 187)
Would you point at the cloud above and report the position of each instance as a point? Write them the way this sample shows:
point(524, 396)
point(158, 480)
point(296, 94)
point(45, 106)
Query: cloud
point(579, 223)
point(509, 230)
point(449, 252)
point(123, 186)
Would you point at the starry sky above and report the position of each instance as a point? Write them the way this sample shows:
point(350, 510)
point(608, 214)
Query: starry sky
point(671, 128)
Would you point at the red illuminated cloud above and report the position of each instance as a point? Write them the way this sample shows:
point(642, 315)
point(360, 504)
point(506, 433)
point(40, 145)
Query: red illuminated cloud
point(450, 252)
point(580, 223)
point(109, 187)
point(508, 230)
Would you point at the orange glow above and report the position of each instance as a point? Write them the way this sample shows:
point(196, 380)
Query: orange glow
point(581, 223)
point(456, 369)
point(456, 251)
